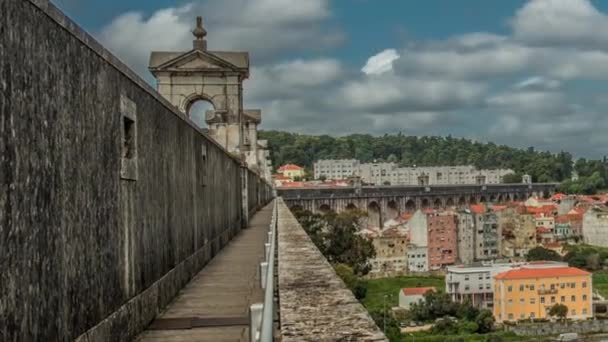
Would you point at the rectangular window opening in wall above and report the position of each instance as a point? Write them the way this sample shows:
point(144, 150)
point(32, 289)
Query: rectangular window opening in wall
point(203, 168)
point(128, 142)
point(128, 136)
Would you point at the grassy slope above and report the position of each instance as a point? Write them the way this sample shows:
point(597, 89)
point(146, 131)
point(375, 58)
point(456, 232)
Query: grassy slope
point(377, 288)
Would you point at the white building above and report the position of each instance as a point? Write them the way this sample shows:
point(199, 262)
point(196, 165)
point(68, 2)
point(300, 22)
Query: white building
point(475, 282)
point(389, 173)
point(336, 168)
point(417, 258)
point(595, 226)
point(412, 295)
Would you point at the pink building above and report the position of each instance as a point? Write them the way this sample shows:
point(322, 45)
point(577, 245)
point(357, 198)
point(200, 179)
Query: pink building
point(442, 239)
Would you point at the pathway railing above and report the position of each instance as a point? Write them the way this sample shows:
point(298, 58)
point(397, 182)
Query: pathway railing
point(261, 315)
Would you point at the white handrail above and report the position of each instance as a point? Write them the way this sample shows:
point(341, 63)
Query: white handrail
point(261, 315)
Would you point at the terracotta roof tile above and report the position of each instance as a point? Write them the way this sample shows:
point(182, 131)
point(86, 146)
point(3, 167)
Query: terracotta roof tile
point(542, 273)
point(409, 291)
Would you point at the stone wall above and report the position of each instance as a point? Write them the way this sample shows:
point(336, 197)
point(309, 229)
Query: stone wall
point(555, 328)
point(315, 305)
point(110, 199)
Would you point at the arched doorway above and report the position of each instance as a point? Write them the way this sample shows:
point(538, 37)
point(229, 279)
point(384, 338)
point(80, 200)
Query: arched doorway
point(197, 111)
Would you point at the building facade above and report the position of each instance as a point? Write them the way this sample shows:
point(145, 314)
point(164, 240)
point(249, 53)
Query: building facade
point(391, 253)
point(466, 237)
point(475, 282)
point(442, 239)
point(417, 258)
point(382, 173)
point(595, 226)
point(529, 293)
point(488, 235)
point(291, 171)
point(412, 295)
point(336, 168)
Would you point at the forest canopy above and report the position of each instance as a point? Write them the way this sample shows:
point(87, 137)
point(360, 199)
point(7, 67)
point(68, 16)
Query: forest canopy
point(407, 150)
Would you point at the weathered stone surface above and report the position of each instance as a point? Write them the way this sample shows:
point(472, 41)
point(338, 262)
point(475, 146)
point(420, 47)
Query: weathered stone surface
point(554, 328)
point(82, 250)
point(315, 305)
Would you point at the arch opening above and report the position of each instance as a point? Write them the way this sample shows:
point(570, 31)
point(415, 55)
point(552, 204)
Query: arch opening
point(373, 215)
point(410, 206)
point(324, 208)
point(351, 206)
point(197, 111)
point(392, 210)
point(449, 203)
point(437, 203)
point(472, 200)
point(425, 203)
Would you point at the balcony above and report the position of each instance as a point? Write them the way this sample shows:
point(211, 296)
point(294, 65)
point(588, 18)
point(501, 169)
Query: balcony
point(547, 291)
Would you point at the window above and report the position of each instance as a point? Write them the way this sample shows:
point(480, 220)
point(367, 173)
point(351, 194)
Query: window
point(552, 299)
point(562, 285)
point(481, 286)
point(552, 286)
point(510, 316)
point(532, 315)
point(572, 285)
point(466, 287)
point(584, 311)
point(531, 287)
point(584, 298)
point(510, 288)
point(542, 300)
point(563, 299)
point(573, 298)
point(466, 277)
point(522, 315)
point(584, 284)
point(510, 302)
point(573, 312)
point(532, 300)
point(521, 301)
point(487, 286)
point(521, 287)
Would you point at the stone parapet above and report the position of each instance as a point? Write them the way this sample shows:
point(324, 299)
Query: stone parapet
point(315, 304)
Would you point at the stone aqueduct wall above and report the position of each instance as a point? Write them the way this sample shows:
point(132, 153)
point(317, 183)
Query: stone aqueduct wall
point(110, 200)
point(315, 304)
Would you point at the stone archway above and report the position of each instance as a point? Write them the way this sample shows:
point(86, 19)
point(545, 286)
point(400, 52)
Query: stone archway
point(437, 204)
point(392, 210)
point(449, 203)
point(410, 206)
point(200, 109)
point(215, 76)
point(425, 203)
point(374, 215)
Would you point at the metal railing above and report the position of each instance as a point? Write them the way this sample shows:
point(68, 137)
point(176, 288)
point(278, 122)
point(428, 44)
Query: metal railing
point(261, 315)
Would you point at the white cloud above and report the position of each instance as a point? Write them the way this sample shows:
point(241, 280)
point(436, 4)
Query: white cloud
point(262, 27)
point(561, 22)
point(381, 62)
point(538, 82)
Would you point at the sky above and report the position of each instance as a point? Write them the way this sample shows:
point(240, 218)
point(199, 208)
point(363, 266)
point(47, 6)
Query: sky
point(516, 72)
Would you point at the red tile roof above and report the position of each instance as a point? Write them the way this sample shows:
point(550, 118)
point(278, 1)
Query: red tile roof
point(562, 219)
point(558, 196)
point(523, 273)
point(406, 216)
point(410, 291)
point(478, 208)
point(289, 167)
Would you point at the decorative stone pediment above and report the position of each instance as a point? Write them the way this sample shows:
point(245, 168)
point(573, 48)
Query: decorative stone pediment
point(195, 61)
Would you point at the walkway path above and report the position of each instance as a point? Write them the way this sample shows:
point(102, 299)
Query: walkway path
point(214, 306)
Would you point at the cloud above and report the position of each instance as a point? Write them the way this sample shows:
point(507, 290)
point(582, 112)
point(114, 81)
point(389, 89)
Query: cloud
point(538, 83)
point(561, 22)
point(265, 28)
point(381, 62)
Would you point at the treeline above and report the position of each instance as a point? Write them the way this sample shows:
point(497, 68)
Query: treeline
point(407, 150)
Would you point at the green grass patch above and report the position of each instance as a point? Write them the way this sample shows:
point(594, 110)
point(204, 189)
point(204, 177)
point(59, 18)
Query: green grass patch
point(377, 288)
point(600, 282)
point(499, 335)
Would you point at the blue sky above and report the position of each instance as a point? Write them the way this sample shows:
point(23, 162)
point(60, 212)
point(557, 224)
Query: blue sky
point(518, 72)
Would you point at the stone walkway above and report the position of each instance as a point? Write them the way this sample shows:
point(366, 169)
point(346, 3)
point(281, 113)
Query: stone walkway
point(223, 289)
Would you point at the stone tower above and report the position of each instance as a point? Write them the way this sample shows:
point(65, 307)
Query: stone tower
point(213, 76)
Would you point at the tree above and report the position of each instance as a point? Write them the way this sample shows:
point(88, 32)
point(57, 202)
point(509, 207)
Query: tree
point(322, 178)
point(484, 321)
point(559, 310)
point(540, 253)
point(512, 178)
point(354, 283)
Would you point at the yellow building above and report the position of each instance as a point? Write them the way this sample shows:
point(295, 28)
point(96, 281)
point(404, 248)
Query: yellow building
point(291, 171)
point(526, 293)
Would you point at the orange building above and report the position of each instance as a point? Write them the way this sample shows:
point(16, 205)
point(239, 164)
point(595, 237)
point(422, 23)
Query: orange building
point(530, 293)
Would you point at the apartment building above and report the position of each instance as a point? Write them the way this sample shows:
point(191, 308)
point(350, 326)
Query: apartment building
point(529, 293)
point(336, 168)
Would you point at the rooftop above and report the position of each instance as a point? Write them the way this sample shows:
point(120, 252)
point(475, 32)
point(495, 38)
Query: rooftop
point(289, 167)
point(523, 273)
point(411, 291)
